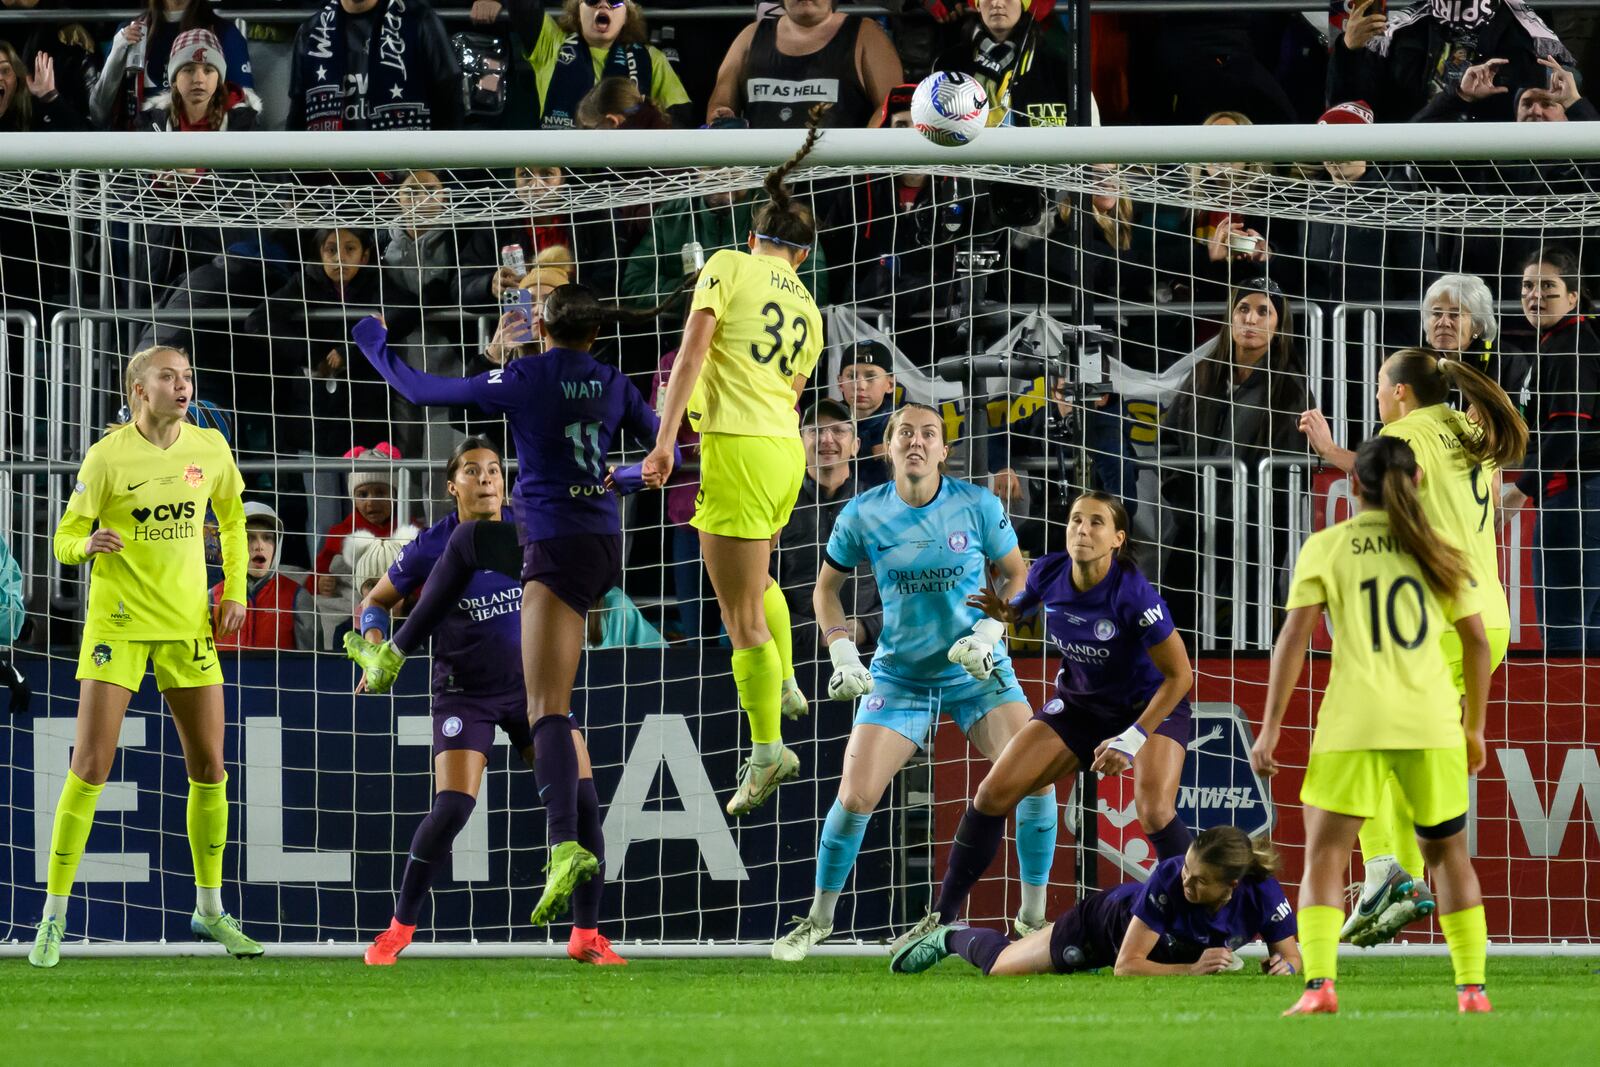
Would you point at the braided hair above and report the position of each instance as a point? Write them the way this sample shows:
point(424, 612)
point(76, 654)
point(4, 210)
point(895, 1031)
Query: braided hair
point(780, 220)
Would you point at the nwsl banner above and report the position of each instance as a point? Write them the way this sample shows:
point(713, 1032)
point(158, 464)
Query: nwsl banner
point(326, 790)
point(1535, 818)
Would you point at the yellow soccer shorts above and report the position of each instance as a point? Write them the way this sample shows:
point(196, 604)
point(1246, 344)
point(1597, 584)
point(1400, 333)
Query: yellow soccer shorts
point(1450, 642)
point(748, 485)
point(179, 664)
point(1434, 781)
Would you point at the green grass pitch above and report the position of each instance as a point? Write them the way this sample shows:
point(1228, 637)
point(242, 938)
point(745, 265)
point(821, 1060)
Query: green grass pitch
point(753, 1011)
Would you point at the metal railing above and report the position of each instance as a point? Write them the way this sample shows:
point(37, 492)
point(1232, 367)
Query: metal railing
point(1299, 470)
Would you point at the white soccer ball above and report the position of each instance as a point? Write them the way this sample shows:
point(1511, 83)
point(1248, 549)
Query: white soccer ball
point(949, 108)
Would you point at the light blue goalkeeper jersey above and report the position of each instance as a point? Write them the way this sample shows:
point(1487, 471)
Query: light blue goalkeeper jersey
point(927, 561)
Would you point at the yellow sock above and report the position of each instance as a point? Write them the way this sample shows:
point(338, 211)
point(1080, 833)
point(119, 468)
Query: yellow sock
point(755, 673)
point(208, 830)
point(1402, 827)
point(74, 817)
point(1319, 940)
point(777, 612)
point(1467, 933)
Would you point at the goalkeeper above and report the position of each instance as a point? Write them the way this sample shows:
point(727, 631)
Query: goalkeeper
point(930, 541)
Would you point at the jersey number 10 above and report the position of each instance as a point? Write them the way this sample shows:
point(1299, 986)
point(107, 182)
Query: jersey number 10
point(1370, 587)
point(772, 322)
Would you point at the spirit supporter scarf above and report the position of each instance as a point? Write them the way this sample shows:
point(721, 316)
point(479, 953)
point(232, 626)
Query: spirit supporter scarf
point(395, 97)
point(998, 64)
point(1466, 19)
point(574, 76)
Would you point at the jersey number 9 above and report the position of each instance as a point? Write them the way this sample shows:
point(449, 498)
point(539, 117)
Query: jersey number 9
point(1480, 493)
point(772, 322)
point(1370, 587)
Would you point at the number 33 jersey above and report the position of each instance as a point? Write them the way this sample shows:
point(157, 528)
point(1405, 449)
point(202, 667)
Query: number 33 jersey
point(1389, 686)
point(768, 331)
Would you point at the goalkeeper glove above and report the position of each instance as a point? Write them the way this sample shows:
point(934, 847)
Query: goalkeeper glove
point(850, 679)
point(975, 652)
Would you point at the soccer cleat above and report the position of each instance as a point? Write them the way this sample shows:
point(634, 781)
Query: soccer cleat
point(1409, 901)
point(921, 953)
point(1370, 906)
point(46, 950)
point(1024, 926)
point(925, 926)
point(570, 866)
point(1318, 999)
point(224, 930)
point(387, 948)
point(757, 783)
point(793, 702)
point(1472, 1000)
point(795, 945)
point(591, 946)
point(379, 663)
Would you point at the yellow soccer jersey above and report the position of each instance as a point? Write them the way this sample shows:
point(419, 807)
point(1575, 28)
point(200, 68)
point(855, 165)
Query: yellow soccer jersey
point(1458, 497)
point(1389, 685)
point(155, 499)
point(768, 333)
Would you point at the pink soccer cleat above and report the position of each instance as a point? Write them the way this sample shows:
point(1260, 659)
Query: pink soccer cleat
point(387, 948)
point(1471, 999)
point(590, 946)
point(1318, 999)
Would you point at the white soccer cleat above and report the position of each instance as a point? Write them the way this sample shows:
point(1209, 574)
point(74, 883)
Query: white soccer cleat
point(796, 944)
point(1025, 926)
point(758, 782)
point(925, 926)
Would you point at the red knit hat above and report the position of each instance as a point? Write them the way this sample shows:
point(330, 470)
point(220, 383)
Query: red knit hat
point(1353, 113)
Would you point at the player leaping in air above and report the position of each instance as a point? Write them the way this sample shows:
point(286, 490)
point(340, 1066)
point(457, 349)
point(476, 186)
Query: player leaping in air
point(751, 340)
point(1189, 917)
point(565, 408)
point(1121, 699)
point(1461, 455)
point(147, 485)
point(1390, 584)
point(930, 540)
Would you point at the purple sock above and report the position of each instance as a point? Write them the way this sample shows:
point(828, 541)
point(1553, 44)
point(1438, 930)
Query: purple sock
point(1172, 839)
point(555, 765)
point(474, 546)
point(978, 838)
point(978, 947)
point(586, 898)
point(429, 847)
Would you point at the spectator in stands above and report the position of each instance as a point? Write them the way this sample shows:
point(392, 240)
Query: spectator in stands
point(1459, 321)
point(1487, 47)
point(31, 102)
point(1025, 66)
point(1557, 101)
point(571, 52)
point(812, 54)
point(1242, 401)
point(200, 96)
point(689, 581)
point(617, 104)
point(867, 387)
point(74, 57)
point(544, 228)
point(374, 65)
point(1561, 474)
point(373, 496)
point(364, 561)
point(518, 333)
point(278, 609)
point(1207, 63)
point(1229, 240)
point(617, 622)
point(831, 444)
point(137, 67)
point(1344, 261)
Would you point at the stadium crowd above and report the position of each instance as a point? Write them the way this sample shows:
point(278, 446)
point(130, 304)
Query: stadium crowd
point(942, 261)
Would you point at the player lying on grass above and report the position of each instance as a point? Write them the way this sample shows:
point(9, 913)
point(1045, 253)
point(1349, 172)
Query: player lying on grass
point(1460, 455)
point(471, 605)
point(930, 540)
point(565, 409)
point(146, 485)
point(1190, 917)
point(1121, 697)
point(1390, 584)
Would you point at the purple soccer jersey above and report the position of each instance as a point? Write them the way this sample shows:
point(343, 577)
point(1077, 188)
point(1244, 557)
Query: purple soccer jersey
point(565, 408)
point(477, 649)
point(1103, 634)
point(1258, 907)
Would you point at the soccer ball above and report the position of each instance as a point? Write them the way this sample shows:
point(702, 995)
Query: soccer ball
point(949, 109)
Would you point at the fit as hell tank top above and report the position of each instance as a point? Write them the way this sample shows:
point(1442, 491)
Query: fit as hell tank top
point(779, 90)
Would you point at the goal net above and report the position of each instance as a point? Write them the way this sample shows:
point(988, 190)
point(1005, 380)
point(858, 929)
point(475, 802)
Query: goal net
point(1151, 327)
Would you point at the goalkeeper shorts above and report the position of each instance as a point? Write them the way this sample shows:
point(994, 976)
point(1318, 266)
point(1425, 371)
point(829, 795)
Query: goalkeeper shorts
point(913, 711)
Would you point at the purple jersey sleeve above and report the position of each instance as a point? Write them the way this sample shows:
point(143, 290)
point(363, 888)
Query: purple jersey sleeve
point(1277, 916)
point(372, 337)
point(412, 567)
point(999, 536)
point(1144, 612)
point(1155, 903)
point(1032, 595)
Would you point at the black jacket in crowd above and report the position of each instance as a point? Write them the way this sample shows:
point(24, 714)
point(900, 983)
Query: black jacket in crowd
point(1565, 445)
